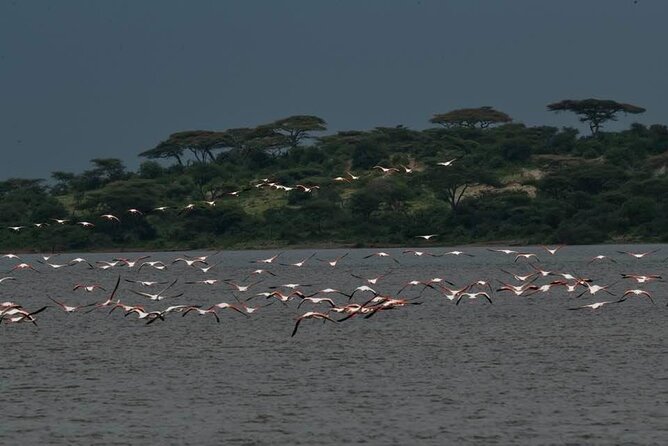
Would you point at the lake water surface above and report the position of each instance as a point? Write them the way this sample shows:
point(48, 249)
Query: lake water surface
point(520, 371)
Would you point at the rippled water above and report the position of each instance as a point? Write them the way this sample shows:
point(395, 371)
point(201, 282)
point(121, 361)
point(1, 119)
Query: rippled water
point(523, 370)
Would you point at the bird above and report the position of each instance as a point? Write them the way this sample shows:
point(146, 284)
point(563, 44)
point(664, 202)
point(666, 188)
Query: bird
point(85, 224)
point(552, 251)
point(189, 262)
point(601, 257)
point(134, 211)
point(300, 263)
point(447, 163)
point(307, 189)
point(158, 296)
point(201, 312)
point(60, 221)
point(386, 170)
point(381, 254)
point(473, 296)
point(110, 217)
point(642, 278)
point(4, 279)
point(503, 251)
point(317, 300)
point(88, 288)
point(639, 255)
point(80, 260)
point(241, 288)
point(203, 282)
point(145, 283)
point(131, 263)
point(526, 255)
point(427, 237)
point(519, 278)
point(68, 308)
point(594, 306)
point(636, 292)
point(372, 280)
point(593, 289)
point(457, 253)
point(333, 263)
point(154, 264)
point(269, 260)
point(22, 266)
point(310, 315)
point(16, 228)
point(421, 253)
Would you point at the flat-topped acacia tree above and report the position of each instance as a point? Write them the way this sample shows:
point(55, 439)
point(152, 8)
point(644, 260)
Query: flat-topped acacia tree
point(595, 111)
point(296, 128)
point(481, 117)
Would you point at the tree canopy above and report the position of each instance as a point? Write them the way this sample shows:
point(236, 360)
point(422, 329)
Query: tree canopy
point(481, 117)
point(595, 111)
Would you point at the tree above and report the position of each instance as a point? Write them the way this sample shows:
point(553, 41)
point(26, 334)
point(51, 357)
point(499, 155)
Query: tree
point(200, 143)
point(595, 111)
point(451, 185)
point(481, 117)
point(108, 169)
point(296, 128)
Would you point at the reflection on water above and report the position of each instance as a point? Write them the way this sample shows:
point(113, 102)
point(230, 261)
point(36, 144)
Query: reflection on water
point(523, 370)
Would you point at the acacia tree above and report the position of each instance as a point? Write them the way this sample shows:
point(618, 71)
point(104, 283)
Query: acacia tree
point(451, 185)
point(481, 117)
point(200, 143)
point(595, 111)
point(296, 128)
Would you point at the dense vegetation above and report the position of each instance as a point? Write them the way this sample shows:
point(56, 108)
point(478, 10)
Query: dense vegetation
point(509, 183)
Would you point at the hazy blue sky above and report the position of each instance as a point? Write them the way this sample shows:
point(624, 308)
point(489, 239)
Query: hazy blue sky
point(85, 79)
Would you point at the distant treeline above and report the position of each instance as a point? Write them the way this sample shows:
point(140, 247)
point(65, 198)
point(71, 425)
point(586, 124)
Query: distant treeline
point(497, 181)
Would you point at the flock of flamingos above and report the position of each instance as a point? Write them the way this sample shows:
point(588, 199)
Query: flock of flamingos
point(363, 300)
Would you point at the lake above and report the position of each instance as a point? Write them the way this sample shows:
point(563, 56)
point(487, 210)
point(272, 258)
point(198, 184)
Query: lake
point(523, 370)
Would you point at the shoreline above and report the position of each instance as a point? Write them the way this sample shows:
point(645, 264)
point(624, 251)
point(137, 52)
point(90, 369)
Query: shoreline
point(296, 247)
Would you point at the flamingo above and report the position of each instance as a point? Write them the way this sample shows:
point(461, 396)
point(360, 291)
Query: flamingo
point(67, 308)
point(267, 261)
point(636, 292)
point(310, 315)
point(381, 254)
point(457, 253)
point(526, 255)
point(88, 288)
point(639, 255)
point(333, 263)
point(601, 257)
point(202, 312)
point(552, 251)
point(131, 263)
point(386, 170)
point(158, 296)
point(155, 264)
point(473, 296)
point(300, 263)
point(503, 251)
point(110, 217)
point(594, 306)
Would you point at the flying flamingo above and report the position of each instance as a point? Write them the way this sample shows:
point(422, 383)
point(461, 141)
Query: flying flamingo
point(310, 315)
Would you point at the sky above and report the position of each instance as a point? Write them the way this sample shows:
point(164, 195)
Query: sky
point(109, 79)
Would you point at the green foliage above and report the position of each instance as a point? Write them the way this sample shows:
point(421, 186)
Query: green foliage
point(508, 182)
